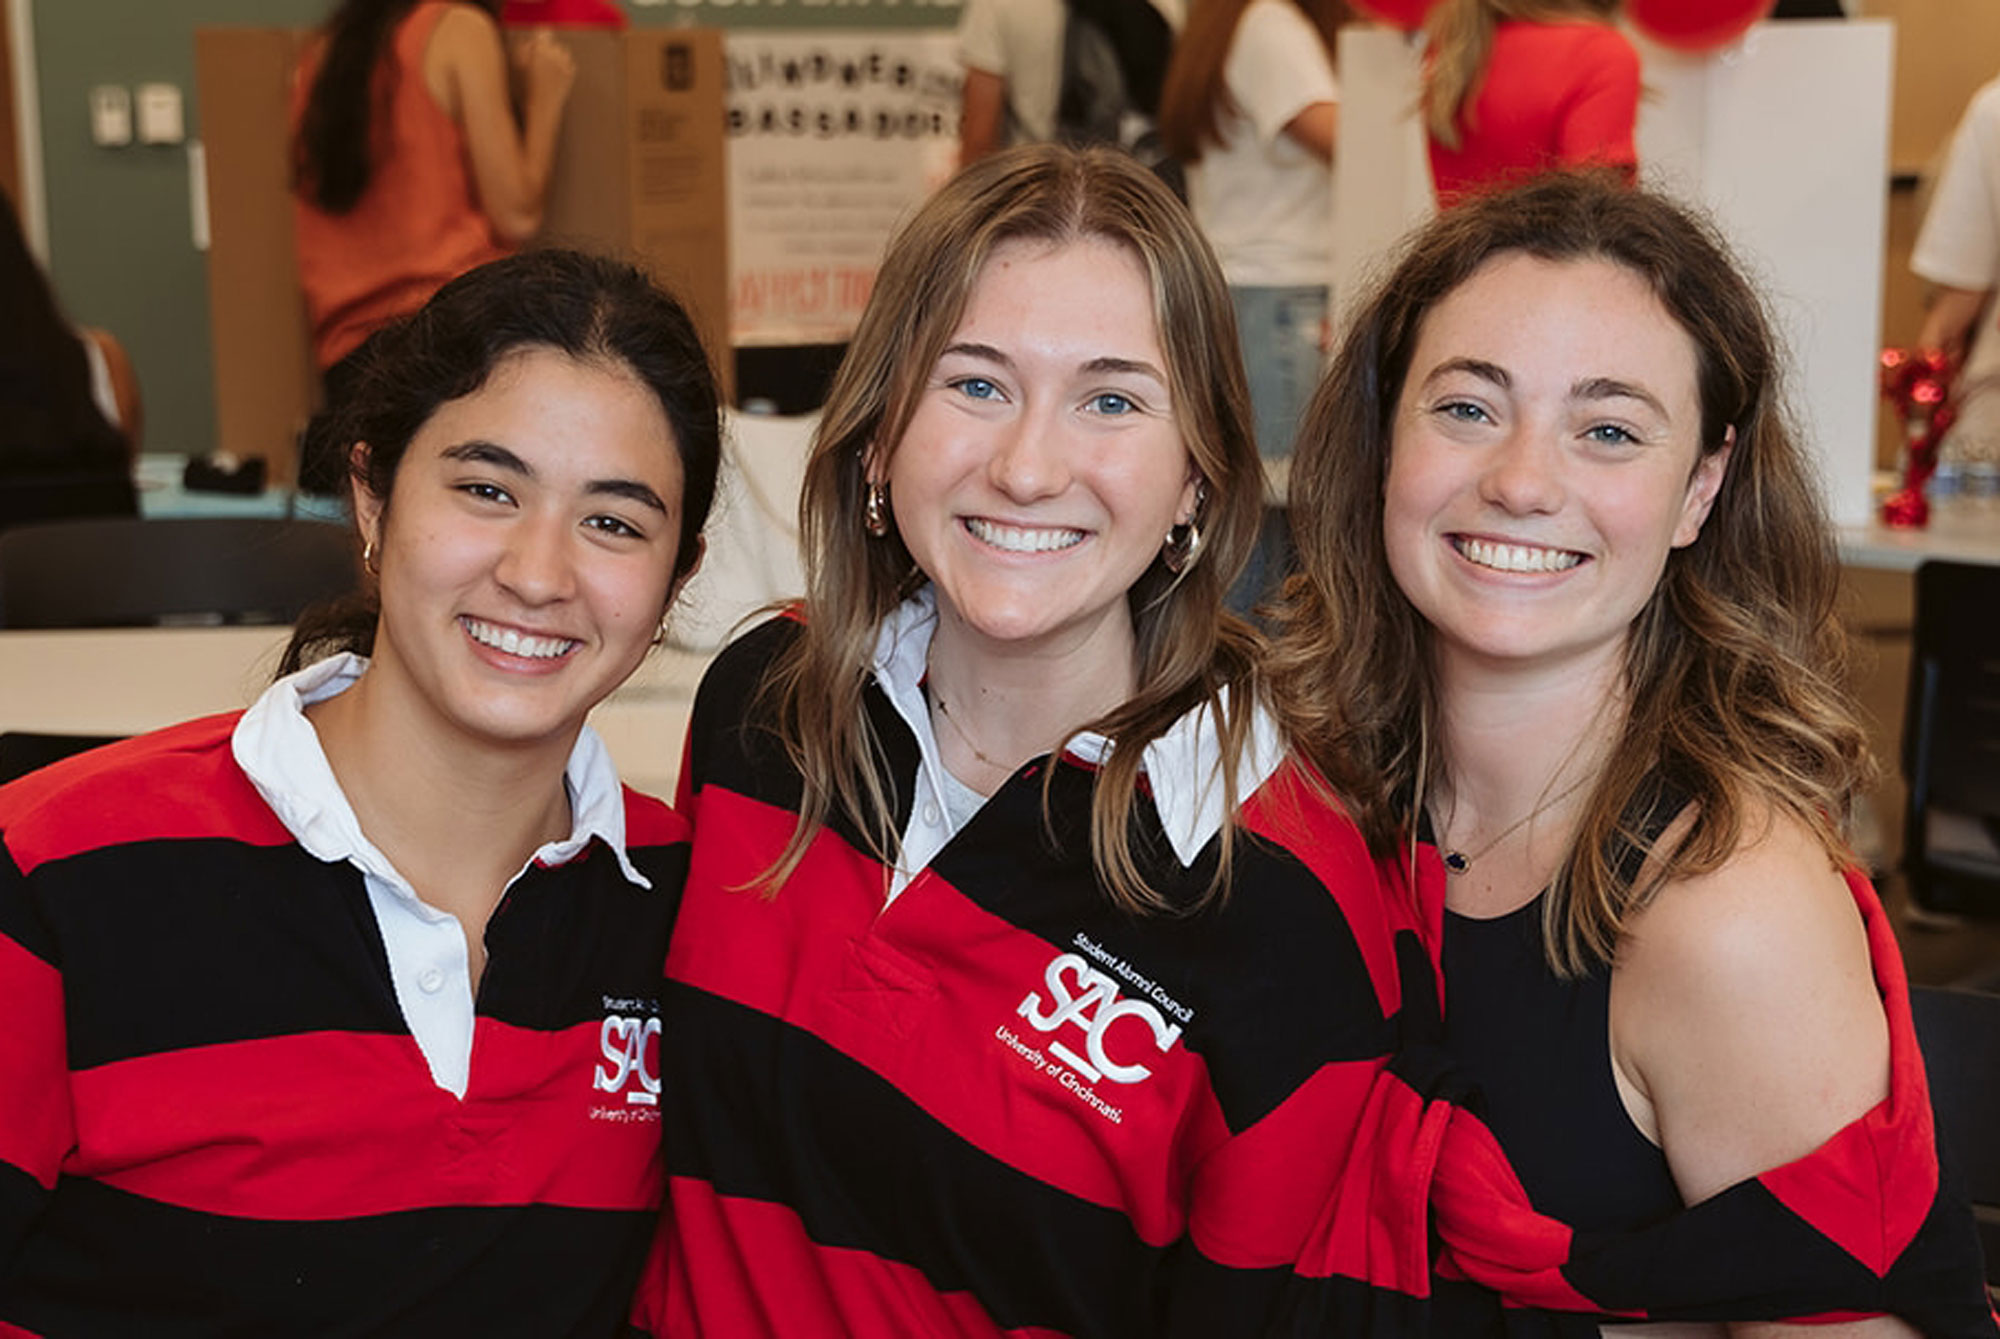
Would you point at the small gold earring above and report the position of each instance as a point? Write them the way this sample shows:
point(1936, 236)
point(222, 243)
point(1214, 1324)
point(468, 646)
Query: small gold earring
point(368, 558)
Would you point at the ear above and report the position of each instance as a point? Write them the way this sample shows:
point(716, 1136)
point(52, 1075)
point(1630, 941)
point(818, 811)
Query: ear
point(680, 582)
point(367, 506)
point(1193, 495)
point(1709, 472)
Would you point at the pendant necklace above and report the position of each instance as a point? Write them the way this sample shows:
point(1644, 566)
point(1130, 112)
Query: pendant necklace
point(1458, 862)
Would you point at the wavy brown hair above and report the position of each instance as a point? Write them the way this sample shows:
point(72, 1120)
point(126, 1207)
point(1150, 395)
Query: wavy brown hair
point(1194, 102)
point(1459, 37)
point(1733, 671)
point(1189, 649)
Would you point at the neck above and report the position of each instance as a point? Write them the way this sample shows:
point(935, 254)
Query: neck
point(1012, 704)
point(455, 819)
point(1513, 744)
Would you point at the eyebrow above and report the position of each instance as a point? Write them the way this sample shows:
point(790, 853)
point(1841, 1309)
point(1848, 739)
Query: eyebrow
point(1590, 388)
point(1107, 363)
point(1610, 388)
point(499, 457)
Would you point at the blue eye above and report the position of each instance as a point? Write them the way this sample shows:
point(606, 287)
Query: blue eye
point(1463, 411)
point(1112, 403)
point(977, 388)
point(1610, 434)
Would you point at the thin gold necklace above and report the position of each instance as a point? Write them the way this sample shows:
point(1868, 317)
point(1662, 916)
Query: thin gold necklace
point(945, 711)
point(1458, 862)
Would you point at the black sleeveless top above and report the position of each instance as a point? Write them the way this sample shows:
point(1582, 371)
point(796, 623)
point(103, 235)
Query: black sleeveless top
point(1538, 1049)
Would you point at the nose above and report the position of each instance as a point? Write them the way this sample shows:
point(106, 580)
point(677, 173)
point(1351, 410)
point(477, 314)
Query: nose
point(1030, 460)
point(537, 565)
point(1523, 473)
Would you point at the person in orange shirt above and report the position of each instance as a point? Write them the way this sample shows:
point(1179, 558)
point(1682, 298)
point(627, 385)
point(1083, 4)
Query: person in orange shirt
point(409, 164)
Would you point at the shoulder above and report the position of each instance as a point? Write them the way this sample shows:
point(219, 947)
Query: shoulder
point(1778, 899)
point(738, 670)
point(459, 31)
point(179, 782)
point(1745, 1009)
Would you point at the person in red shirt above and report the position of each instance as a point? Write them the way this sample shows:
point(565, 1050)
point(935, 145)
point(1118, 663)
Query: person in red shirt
point(1514, 87)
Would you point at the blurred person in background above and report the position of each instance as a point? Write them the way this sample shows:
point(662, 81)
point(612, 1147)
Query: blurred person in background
point(410, 166)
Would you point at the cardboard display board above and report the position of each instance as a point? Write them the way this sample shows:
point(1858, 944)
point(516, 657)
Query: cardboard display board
point(264, 375)
point(639, 173)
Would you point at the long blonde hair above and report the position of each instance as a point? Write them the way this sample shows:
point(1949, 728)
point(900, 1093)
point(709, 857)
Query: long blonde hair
point(1189, 650)
point(1733, 670)
point(1459, 37)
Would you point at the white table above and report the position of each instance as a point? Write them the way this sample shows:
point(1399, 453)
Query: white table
point(1961, 531)
point(124, 681)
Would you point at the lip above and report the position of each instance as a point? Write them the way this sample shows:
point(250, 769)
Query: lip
point(515, 645)
point(1020, 540)
point(1515, 557)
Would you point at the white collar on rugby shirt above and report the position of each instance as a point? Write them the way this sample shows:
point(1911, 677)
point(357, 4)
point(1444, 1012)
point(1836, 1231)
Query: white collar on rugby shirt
point(1183, 766)
point(277, 747)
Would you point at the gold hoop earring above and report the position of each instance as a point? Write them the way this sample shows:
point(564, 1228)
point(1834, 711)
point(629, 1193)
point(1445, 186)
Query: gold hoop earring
point(1182, 548)
point(1183, 544)
point(875, 509)
point(368, 558)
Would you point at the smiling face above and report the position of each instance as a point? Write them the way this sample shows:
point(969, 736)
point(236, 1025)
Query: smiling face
point(527, 554)
point(1545, 460)
point(1043, 467)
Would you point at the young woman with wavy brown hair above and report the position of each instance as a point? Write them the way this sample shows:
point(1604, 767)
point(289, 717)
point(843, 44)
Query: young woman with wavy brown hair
point(1019, 986)
point(1565, 631)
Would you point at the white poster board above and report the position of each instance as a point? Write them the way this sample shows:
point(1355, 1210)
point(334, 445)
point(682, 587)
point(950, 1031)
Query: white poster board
point(834, 137)
point(1783, 136)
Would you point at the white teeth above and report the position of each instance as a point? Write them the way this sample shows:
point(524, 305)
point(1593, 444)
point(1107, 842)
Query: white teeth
point(1016, 539)
point(1517, 557)
point(514, 643)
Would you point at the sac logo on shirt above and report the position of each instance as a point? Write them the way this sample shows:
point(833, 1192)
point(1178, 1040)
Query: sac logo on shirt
point(629, 1042)
point(1116, 1032)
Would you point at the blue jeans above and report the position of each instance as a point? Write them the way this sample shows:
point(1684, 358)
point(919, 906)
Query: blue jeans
point(1280, 329)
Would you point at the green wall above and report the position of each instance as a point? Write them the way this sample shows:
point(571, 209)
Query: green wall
point(121, 245)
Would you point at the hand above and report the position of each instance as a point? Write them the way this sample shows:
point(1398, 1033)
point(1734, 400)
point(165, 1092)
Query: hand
point(547, 68)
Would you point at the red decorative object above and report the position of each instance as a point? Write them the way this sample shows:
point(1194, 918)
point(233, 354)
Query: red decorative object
point(1405, 14)
point(1918, 385)
point(1696, 25)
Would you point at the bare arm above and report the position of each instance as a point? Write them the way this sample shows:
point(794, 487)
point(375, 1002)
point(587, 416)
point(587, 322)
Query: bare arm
point(1316, 128)
point(982, 116)
point(1746, 1027)
point(1949, 320)
point(511, 161)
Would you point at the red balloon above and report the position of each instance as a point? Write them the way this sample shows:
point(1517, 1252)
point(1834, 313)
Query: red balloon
point(1696, 25)
point(1405, 14)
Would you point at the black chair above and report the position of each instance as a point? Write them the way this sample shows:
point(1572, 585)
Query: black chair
point(22, 751)
point(31, 499)
point(132, 573)
point(1959, 1031)
point(1951, 741)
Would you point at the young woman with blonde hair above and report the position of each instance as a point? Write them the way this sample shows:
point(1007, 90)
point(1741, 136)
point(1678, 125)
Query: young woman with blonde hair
point(1566, 631)
point(1515, 87)
point(1019, 987)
